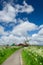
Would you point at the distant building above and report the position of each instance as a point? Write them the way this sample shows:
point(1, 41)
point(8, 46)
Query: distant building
point(23, 45)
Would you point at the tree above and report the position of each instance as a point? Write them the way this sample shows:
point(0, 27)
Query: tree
point(13, 44)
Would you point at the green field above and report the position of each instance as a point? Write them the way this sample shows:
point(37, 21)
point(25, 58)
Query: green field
point(5, 52)
point(32, 55)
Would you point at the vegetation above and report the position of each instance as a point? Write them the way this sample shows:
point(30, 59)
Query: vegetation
point(5, 52)
point(32, 55)
point(13, 44)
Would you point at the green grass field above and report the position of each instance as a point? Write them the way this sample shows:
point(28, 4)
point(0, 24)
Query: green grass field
point(5, 52)
point(32, 55)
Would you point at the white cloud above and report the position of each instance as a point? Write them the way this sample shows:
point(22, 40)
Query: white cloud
point(9, 12)
point(41, 31)
point(38, 38)
point(32, 42)
point(41, 26)
point(25, 8)
point(34, 35)
point(11, 39)
point(2, 32)
point(24, 27)
point(18, 34)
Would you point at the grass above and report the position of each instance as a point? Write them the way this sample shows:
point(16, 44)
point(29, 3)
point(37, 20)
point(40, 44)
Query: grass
point(5, 52)
point(32, 55)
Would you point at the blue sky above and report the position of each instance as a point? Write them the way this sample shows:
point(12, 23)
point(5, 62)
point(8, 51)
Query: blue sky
point(20, 19)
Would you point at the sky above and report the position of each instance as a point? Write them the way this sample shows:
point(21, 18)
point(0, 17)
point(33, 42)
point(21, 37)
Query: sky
point(21, 20)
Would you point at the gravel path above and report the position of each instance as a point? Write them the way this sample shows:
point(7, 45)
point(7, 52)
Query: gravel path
point(14, 59)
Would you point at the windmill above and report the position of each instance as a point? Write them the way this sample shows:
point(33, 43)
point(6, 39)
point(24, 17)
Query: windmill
point(26, 40)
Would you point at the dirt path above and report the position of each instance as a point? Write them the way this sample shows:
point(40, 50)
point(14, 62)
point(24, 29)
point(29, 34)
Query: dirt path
point(15, 59)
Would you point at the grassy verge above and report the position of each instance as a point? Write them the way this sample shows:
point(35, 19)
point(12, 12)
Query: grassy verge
point(6, 52)
point(32, 55)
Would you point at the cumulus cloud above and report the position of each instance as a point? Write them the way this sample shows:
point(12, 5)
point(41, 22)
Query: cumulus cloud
point(24, 8)
point(11, 39)
point(24, 27)
point(18, 35)
point(41, 31)
point(37, 38)
point(41, 26)
point(19, 32)
point(2, 32)
point(9, 12)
